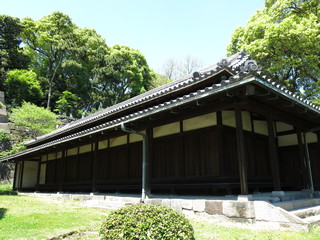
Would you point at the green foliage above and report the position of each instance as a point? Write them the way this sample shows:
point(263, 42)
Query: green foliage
point(123, 73)
point(159, 80)
point(67, 105)
point(35, 120)
point(22, 85)
point(4, 137)
point(7, 190)
point(284, 39)
point(11, 54)
point(143, 221)
point(18, 147)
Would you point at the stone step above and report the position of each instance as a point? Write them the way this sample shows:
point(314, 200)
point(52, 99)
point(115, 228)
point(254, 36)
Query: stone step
point(298, 204)
point(105, 204)
point(307, 212)
point(313, 220)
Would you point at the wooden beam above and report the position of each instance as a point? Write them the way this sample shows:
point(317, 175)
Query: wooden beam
point(242, 161)
point(265, 110)
point(273, 156)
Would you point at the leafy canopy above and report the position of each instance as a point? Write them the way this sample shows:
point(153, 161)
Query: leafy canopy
point(11, 54)
point(22, 85)
point(284, 39)
point(36, 120)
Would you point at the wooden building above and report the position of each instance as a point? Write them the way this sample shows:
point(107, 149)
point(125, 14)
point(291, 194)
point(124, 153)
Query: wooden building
point(226, 129)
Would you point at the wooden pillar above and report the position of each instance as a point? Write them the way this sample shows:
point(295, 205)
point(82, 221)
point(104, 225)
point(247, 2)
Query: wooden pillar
point(149, 157)
point(303, 165)
point(38, 174)
point(62, 170)
point(15, 176)
point(21, 174)
point(242, 161)
point(220, 143)
point(273, 156)
point(95, 167)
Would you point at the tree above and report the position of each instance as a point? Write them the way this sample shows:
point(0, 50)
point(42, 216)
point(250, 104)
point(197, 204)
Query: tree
point(63, 55)
point(284, 39)
point(46, 41)
point(22, 85)
point(123, 74)
point(11, 54)
point(67, 105)
point(33, 121)
point(159, 80)
point(173, 69)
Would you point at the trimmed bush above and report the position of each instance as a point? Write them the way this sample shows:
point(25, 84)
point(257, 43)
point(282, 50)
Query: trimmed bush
point(143, 221)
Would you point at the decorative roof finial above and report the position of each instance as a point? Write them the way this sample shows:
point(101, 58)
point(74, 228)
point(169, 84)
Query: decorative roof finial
point(250, 66)
point(223, 63)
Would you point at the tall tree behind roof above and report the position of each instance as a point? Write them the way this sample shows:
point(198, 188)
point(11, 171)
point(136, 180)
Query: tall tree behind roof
point(11, 54)
point(284, 38)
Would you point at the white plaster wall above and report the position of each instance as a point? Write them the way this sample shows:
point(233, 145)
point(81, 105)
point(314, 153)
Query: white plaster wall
point(167, 129)
point(103, 144)
point(135, 137)
point(42, 178)
point(85, 148)
point(260, 127)
point(118, 141)
point(30, 172)
point(206, 120)
point(287, 140)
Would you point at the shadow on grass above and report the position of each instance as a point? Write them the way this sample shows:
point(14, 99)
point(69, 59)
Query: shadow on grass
point(2, 212)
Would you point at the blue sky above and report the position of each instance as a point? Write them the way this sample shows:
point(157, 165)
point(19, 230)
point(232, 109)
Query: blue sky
point(160, 29)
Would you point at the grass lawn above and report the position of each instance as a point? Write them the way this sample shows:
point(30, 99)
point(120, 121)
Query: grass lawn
point(24, 217)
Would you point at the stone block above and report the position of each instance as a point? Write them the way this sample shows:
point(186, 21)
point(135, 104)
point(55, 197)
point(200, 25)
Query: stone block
point(236, 209)
point(267, 212)
point(277, 193)
point(199, 205)
point(213, 207)
point(244, 198)
point(187, 204)
point(153, 201)
point(176, 204)
point(166, 202)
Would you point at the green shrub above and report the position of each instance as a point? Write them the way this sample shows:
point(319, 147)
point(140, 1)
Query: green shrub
point(7, 190)
point(143, 221)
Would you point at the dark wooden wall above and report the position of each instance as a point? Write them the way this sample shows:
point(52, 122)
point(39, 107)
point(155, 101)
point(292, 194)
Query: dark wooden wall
point(207, 155)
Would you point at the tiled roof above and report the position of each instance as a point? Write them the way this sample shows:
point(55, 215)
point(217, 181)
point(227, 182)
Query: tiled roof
point(243, 71)
point(232, 63)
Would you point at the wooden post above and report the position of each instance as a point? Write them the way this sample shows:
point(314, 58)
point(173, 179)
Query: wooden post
point(150, 157)
point(38, 174)
point(242, 161)
point(62, 170)
point(95, 167)
point(273, 154)
point(220, 142)
point(21, 174)
point(303, 165)
point(15, 176)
